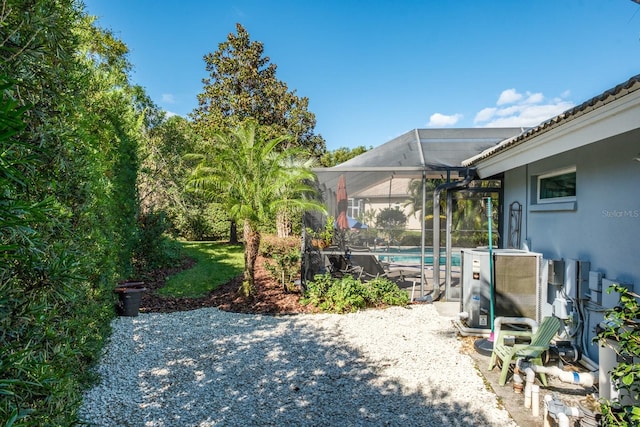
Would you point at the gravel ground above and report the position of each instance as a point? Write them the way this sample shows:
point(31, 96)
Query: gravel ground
point(206, 367)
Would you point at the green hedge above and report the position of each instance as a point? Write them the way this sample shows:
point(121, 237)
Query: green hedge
point(70, 128)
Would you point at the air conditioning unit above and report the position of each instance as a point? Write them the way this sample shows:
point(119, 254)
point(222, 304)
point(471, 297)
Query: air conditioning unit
point(517, 282)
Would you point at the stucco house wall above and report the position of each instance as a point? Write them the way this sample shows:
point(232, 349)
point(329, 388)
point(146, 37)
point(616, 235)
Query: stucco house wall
point(603, 227)
point(601, 140)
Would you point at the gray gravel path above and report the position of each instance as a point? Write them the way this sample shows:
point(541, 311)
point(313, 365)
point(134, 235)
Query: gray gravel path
point(392, 367)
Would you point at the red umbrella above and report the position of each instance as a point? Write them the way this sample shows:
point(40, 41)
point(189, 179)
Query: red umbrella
point(342, 223)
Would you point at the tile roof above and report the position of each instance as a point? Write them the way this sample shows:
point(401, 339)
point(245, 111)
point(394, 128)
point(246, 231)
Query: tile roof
point(594, 103)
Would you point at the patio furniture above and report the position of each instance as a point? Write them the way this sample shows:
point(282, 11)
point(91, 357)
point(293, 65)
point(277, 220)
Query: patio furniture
point(532, 351)
point(339, 265)
point(372, 267)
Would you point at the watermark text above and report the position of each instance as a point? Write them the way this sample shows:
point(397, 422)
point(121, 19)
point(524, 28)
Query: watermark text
point(621, 213)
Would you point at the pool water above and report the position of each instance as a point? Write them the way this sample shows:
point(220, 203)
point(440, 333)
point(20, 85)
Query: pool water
point(412, 256)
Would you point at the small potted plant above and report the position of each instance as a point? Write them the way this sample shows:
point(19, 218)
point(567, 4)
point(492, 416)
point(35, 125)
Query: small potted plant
point(324, 237)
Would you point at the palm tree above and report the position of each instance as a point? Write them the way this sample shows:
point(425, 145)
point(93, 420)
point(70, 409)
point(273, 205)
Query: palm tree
point(253, 180)
point(287, 214)
point(414, 202)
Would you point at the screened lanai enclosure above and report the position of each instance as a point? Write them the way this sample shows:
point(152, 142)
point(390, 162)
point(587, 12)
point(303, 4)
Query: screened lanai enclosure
point(392, 208)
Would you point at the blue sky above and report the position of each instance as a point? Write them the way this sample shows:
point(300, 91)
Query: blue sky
point(373, 70)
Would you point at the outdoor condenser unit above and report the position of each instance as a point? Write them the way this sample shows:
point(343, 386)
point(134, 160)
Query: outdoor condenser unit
point(517, 284)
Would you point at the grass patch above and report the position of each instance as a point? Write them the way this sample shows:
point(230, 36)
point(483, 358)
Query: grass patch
point(216, 264)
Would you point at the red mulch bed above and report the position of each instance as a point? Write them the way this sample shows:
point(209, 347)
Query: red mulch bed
point(269, 298)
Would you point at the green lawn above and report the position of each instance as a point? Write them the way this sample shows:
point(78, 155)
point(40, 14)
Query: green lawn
point(217, 263)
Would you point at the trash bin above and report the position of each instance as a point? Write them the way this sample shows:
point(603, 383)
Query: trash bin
point(129, 297)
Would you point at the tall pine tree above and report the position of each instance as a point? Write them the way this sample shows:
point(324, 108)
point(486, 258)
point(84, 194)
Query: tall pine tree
point(242, 85)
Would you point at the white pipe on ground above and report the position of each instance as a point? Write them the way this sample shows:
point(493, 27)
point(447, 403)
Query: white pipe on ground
point(585, 379)
point(497, 323)
point(588, 363)
point(563, 420)
point(554, 408)
point(530, 375)
point(518, 383)
point(545, 412)
point(535, 400)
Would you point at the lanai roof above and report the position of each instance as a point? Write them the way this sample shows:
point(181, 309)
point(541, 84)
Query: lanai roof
point(435, 152)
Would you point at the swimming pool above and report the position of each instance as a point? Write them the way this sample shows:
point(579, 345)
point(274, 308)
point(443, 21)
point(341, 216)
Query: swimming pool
point(412, 256)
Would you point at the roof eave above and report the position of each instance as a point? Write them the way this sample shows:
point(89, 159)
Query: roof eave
point(611, 113)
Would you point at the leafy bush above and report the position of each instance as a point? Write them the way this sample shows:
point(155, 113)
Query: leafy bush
point(200, 222)
point(410, 238)
point(70, 127)
point(283, 259)
point(623, 329)
point(271, 244)
point(384, 291)
point(349, 294)
point(391, 219)
point(154, 249)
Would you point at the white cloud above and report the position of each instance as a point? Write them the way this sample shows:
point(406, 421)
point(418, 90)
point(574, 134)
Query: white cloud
point(439, 120)
point(516, 110)
point(170, 114)
point(485, 114)
point(509, 96)
point(168, 98)
point(534, 98)
point(508, 111)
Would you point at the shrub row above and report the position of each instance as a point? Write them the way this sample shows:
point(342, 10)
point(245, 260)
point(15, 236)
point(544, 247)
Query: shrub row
point(348, 294)
point(70, 131)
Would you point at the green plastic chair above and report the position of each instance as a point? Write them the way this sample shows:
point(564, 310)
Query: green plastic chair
point(540, 341)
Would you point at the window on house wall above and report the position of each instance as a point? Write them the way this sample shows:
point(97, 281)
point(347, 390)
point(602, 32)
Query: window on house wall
point(557, 186)
point(354, 207)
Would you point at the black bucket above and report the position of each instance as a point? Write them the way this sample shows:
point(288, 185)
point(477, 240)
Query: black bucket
point(129, 301)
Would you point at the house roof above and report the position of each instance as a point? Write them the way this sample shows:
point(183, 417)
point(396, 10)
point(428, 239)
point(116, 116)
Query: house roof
point(607, 97)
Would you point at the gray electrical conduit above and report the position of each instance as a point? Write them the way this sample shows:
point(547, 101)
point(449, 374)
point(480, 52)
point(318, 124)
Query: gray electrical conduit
point(457, 185)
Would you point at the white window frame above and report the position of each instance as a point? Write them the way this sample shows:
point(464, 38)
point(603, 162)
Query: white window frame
point(354, 207)
point(551, 175)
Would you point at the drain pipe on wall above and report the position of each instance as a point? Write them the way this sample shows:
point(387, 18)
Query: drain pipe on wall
point(457, 185)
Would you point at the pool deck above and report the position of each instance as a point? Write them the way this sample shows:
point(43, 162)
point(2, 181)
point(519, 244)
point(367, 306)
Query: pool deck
point(415, 289)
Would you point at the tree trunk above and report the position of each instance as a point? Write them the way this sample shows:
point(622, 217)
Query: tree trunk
point(233, 233)
point(283, 224)
point(251, 247)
